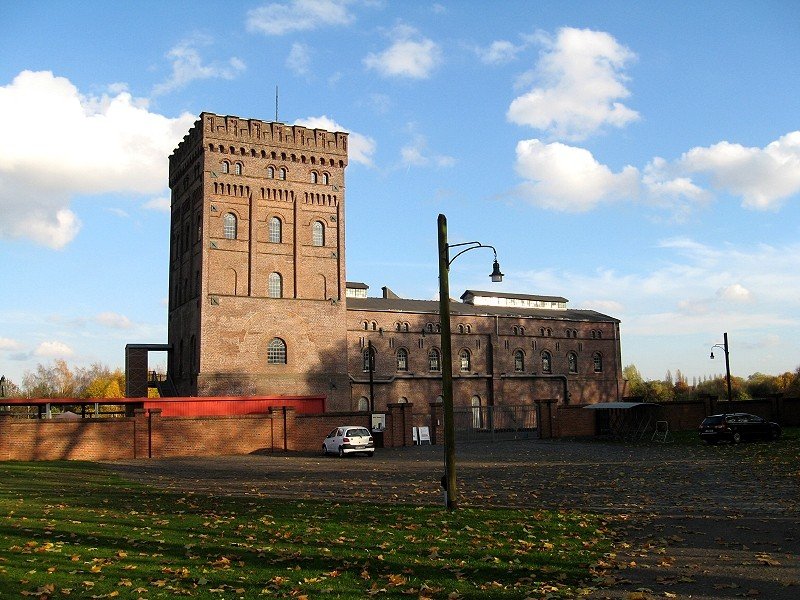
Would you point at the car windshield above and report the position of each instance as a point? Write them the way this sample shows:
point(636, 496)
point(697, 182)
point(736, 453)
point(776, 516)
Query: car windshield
point(715, 420)
point(360, 432)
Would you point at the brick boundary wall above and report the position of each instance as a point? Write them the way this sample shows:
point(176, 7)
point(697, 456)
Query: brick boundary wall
point(149, 435)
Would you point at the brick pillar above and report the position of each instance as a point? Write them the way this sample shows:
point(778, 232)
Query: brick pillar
point(156, 434)
point(437, 421)
point(290, 428)
point(5, 436)
point(141, 434)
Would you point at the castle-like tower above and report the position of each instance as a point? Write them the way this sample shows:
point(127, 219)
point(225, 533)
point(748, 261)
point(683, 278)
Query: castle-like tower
point(257, 240)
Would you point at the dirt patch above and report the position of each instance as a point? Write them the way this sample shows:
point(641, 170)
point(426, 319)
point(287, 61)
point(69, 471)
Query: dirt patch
point(693, 521)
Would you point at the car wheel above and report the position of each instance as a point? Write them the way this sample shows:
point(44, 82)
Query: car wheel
point(324, 450)
point(774, 434)
point(341, 452)
point(737, 437)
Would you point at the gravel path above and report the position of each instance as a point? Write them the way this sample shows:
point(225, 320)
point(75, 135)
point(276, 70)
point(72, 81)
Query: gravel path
point(693, 521)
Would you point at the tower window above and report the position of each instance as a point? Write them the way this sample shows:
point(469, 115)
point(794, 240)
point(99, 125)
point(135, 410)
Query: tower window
point(314, 177)
point(275, 285)
point(226, 166)
point(465, 359)
point(402, 359)
point(519, 361)
point(325, 179)
point(276, 352)
point(318, 233)
point(270, 172)
point(275, 230)
point(597, 359)
point(434, 362)
point(572, 362)
point(230, 226)
point(237, 168)
point(282, 173)
point(547, 362)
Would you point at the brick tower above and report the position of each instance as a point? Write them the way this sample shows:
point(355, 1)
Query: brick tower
point(257, 270)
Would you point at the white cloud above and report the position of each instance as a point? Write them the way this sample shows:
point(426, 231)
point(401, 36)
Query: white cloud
point(361, 147)
point(580, 79)
point(411, 55)
point(161, 204)
point(416, 154)
point(53, 350)
point(499, 52)
point(763, 177)
point(187, 66)
point(298, 15)
point(570, 179)
point(94, 145)
point(736, 293)
point(113, 320)
point(9, 344)
point(299, 59)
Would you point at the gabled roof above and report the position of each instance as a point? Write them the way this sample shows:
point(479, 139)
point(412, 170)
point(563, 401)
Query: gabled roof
point(403, 305)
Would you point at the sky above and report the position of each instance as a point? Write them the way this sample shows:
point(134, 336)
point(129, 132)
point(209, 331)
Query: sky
point(641, 159)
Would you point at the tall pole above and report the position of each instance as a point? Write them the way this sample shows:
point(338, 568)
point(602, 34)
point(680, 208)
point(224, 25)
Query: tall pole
point(447, 368)
point(727, 367)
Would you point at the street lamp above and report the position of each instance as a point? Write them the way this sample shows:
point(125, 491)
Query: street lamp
point(449, 479)
point(724, 347)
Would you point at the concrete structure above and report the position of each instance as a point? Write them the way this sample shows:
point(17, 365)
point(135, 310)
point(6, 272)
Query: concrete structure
point(258, 302)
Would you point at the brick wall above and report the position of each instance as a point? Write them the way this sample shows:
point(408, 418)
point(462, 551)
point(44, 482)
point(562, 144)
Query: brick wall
point(149, 435)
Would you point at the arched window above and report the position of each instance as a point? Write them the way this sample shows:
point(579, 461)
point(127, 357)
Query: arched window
point(270, 172)
point(405, 326)
point(434, 362)
point(282, 173)
point(477, 413)
point(464, 358)
point(572, 362)
point(229, 225)
point(275, 286)
point(519, 361)
point(314, 177)
point(597, 359)
point(460, 328)
point(318, 233)
point(325, 179)
point(547, 362)
point(402, 400)
point(226, 166)
point(275, 230)
point(237, 168)
point(366, 363)
point(429, 327)
point(402, 359)
point(363, 404)
point(276, 352)
point(514, 330)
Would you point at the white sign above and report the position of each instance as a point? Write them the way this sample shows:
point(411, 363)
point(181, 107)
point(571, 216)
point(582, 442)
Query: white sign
point(378, 422)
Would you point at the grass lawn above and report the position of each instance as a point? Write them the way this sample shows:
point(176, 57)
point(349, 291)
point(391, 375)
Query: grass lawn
point(70, 529)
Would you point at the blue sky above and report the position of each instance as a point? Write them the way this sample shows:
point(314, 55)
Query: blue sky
point(641, 159)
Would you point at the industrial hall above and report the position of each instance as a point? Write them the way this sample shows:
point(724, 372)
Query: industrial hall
point(259, 303)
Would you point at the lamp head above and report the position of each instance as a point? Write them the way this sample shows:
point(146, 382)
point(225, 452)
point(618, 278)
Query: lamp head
point(496, 275)
point(712, 354)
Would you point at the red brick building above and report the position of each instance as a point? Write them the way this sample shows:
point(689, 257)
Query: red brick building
point(258, 302)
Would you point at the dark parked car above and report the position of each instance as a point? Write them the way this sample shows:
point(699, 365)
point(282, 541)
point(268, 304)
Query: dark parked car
point(737, 427)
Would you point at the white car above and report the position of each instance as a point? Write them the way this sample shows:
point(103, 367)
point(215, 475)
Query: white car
point(349, 439)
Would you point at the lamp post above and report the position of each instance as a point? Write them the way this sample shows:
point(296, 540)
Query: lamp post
point(724, 347)
point(449, 479)
point(371, 365)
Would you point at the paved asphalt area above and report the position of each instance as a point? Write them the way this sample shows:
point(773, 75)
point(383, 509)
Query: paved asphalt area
point(696, 522)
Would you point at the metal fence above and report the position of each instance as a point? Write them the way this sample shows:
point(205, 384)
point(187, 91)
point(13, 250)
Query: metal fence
point(494, 423)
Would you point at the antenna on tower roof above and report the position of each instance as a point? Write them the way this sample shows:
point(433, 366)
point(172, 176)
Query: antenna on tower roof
point(276, 103)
